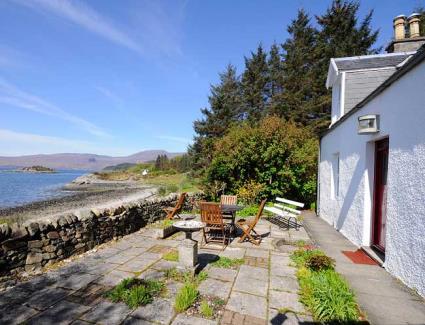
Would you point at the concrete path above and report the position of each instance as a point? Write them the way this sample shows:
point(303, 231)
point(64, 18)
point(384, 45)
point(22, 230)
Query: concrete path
point(384, 299)
point(261, 291)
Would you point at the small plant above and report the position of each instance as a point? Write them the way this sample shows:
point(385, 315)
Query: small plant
point(172, 188)
point(300, 256)
point(300, 243)
point(136, 292)
point(185, 297)
point(206, 310)
point(185, 277)
point(248, 211)
point(162, 191)
point(172, 256)
point(250, 191)
point(228, 263)
point(320, 262)
point(202, 276)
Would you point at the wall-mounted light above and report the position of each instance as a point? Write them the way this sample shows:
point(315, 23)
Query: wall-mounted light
point(368, 124)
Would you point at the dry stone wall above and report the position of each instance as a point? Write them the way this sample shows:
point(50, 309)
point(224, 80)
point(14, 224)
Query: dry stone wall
point(33, 245)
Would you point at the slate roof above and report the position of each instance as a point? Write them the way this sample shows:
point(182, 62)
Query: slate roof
point(371, 62)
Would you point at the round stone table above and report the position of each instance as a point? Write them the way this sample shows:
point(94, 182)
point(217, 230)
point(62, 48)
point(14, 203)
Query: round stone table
point(188, 249)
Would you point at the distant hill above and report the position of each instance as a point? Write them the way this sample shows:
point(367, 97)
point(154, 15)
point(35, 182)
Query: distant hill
point(118, 167)
point(82, 161)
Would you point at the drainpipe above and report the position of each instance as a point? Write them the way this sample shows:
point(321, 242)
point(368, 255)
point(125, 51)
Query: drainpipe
point(318, 178)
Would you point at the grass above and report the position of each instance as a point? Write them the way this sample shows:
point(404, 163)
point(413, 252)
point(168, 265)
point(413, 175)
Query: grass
point(135, 292)
point(206, 310)
point(172, 256)
point(324, 292)
point(186, 296)
point(228, 263)
point(185, 277)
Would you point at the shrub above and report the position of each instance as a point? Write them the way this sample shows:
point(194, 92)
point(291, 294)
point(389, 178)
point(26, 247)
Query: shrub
point(135, 292)
point(248, 211)
point(185, 297)
point(206, 310)
point(320, 262)
point(250, 191)
point(300, 256)
point(328, 296)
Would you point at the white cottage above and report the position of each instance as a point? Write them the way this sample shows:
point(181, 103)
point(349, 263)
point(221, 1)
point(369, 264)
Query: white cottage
point(371, 182)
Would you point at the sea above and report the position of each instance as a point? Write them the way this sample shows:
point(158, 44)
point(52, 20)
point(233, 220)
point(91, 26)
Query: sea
point(18, 188)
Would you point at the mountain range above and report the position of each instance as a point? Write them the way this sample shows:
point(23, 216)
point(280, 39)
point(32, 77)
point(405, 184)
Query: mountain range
point(82, 161)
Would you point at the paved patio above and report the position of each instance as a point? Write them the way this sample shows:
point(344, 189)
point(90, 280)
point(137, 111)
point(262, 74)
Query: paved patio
point(261, 291)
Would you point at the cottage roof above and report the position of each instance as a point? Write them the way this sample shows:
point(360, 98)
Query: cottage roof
point(376, 61)
point(413, 61)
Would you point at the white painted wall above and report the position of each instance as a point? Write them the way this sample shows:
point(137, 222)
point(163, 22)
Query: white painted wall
point(402, 118)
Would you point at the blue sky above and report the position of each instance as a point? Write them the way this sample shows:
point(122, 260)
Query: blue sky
point(117, 77)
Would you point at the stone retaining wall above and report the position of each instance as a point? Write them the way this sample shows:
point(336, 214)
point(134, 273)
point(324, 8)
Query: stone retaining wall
point(31, 246)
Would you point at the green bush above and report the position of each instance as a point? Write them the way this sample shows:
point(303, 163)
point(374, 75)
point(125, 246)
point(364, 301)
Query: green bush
point(328, 296)
point(250, 192)
point(135, 292)
point(279, 155)
point(300, 256)
point(320, 262)
point(185, 297)
point(248, 211)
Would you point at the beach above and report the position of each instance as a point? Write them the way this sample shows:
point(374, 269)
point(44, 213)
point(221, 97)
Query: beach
point(85, 192)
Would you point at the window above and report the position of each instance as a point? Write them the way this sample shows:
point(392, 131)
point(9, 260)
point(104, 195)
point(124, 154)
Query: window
point(335, 176)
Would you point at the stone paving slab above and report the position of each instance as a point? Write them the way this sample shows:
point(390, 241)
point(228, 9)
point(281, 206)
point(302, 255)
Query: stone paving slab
point(288, 318)
point(233, 252)
point(218, 273)
point(135, 321)
point(107, 313)
point(247, 304)
point(251, 285)
point(216, 288)
point(283, 283)
point(191, 320)
point(159, 311)
point(283, 270)
point(46, 297)
point(164, 265)
point(233, 318)
point(62, 313)
point(139, 264)
point(119, 259)
point(114, 277)
point(253, 272)
point(77, 281)
point(287, 300)
point(257, 253)
point(16, 314)
point(151, 274)
point(89, 295)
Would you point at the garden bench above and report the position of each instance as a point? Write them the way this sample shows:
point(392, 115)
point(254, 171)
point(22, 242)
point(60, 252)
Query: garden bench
point(284, 214)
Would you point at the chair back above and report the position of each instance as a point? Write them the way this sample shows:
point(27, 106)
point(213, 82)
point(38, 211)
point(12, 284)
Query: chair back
point(259, 213)
point(211, 213)
point(180, 202)
point(228, 200)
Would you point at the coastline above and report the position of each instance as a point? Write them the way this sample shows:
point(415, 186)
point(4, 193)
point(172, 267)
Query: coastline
point(84, 192)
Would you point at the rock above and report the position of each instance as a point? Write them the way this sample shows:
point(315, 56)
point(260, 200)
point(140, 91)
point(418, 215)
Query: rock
point(49, 249)
point(69, 219)
point(53, 235)
point(85, 214)
point(33, 228)
point(13, 244)
point(34, 258)
point(62, 221)
point(32, 267)
point(48, 256)
point(18, 231)
point(35, 244)
point(4, 230)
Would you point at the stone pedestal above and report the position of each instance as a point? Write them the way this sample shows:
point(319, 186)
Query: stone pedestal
point(188, 255)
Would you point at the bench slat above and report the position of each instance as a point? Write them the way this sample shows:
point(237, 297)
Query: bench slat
point(283, 200)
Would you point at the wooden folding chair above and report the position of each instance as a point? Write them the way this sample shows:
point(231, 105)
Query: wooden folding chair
point(248, 226)
point(174, 211)
point(228, 200)
point(214, 225)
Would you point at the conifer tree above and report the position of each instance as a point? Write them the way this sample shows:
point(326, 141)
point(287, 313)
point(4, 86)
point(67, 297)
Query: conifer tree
point(254, 85)
point(275, 80)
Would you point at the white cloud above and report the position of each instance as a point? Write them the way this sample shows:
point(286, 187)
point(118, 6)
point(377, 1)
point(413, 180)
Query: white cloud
point(85, 17)
point(12, 96)
point(109, 94)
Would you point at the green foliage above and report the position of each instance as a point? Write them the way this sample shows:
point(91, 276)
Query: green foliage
point(248, 211)
point(328, 296)
point(185, 297)
point(277, 154)
point(136, 292)
point(300, 256)
point(162, 191)
point(228, 263)
point(172, 256)
point(185, 277)
point(319, 263)
point(250, 192)
point(206, 310)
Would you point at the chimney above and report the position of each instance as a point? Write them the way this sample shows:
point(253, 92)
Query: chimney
point(413, 41)
point(414, 25)
point(399, 27)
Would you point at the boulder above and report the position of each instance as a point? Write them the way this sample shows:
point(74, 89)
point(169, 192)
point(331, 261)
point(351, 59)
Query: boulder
point(34, 258)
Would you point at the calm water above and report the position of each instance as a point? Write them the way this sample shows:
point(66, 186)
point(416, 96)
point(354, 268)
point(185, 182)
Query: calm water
point(20, 188)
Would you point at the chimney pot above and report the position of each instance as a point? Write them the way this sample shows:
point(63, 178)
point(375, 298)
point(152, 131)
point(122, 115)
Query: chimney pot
point(399, 27)
point(413, 21)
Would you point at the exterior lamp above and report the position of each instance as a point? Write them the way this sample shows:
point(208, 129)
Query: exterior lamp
point(368, 124)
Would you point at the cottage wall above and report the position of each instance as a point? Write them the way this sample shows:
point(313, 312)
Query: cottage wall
point(402, 118)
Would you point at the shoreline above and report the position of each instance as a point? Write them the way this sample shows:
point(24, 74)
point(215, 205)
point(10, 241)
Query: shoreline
point(85, 192)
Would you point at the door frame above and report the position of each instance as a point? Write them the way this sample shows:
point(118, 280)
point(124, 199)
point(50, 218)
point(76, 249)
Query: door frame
point(374, 216)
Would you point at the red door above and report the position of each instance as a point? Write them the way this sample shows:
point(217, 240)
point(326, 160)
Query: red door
point(380, 195)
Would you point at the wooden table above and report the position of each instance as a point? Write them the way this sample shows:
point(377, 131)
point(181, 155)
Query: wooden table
point(231, 209)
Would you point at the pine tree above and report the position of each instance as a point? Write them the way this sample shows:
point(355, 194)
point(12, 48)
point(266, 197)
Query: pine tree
point(340, 35)
point(275, 80)
point(298, 67)
point(254, 85)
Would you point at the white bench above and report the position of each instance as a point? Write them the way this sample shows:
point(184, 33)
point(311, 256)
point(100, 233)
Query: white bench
point(284, 214)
